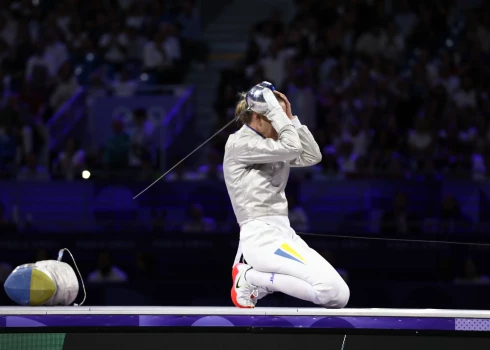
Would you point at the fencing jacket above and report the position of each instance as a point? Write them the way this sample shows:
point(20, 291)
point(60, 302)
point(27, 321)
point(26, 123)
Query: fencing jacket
point(256, 169)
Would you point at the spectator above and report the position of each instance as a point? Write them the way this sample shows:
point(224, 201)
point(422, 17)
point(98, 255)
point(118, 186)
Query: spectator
point(214, 168)
point(125, 86)
point(114, 45)
point(171, 44)
point(420, 139)
point(76, 37)
point(8, 30)
point(56, 50)
point(466, 96)
point(274, 63)
point(347, 159)
point(30, 135)
point(33, 171)
point(479, 163)
point(196, 220)
point(106, 272)
point(97, 87)
point(406, 19)
point(302, 98)
point(135, 46)
point(66, 88)
point(446, 77)
point(40, 58)
point(63, 18)
point(116, 153)
point(189, 22)
point(398, 221)
point(359, 137)
point(142, 138)
point(136, 16)
point(155, 58)
point(70, 162)
point(370, 42)
point(263, 36)
point(391, 42)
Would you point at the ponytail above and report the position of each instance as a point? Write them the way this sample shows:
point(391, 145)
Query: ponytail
point(242, 112)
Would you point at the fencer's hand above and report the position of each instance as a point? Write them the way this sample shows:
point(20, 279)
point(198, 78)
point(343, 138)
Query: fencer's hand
point(271, 100)
point(283, 97)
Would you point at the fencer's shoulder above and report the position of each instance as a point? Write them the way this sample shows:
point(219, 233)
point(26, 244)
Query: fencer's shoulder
point(241, 137)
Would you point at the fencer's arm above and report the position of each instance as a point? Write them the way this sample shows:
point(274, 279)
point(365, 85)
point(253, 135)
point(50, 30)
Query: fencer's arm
point(311, 153)
point(255, 150)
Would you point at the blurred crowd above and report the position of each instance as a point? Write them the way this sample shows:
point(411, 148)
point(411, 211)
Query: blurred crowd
point(389, 88)
point(48, 50)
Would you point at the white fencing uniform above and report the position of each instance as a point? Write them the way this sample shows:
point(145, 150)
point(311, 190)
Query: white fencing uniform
point(270, 245)
point(256, 171)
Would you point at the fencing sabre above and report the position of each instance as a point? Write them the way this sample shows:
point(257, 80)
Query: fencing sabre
point(255, 101)
point(187, 156)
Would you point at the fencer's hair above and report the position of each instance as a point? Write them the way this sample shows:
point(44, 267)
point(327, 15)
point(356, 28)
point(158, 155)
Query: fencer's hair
point(242, 113)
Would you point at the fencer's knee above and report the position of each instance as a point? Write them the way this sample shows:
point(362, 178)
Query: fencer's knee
point(343, 296)
point(332, 294)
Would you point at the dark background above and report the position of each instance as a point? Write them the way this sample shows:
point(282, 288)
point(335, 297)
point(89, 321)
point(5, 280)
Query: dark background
point(98, 98)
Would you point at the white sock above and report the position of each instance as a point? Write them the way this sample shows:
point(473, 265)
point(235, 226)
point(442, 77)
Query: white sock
point(274, 282)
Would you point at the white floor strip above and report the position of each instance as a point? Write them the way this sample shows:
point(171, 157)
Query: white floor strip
point(137, 310)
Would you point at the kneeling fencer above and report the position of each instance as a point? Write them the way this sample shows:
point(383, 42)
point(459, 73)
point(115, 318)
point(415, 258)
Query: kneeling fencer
point(271, 257)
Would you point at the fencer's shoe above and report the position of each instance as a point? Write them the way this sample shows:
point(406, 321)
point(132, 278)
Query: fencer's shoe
point(243, 294)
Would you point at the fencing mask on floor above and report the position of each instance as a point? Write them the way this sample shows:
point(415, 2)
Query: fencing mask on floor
point(47, 282)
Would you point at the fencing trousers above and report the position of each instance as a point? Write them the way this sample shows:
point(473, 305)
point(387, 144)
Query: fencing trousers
point(282, 262)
